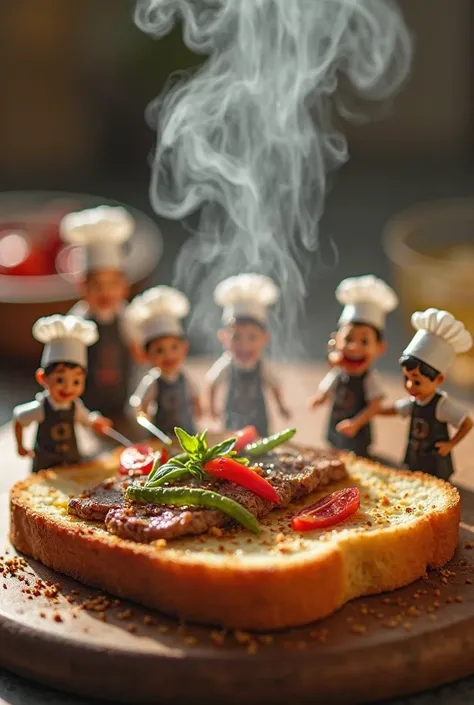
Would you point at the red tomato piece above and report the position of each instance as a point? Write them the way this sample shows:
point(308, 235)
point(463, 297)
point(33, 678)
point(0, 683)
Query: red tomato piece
point(330, 510)
point(228, 469)
point(246, 435)
point(138, 460)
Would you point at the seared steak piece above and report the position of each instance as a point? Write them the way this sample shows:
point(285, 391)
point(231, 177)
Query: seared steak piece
point(293, 475)
point(93, 504)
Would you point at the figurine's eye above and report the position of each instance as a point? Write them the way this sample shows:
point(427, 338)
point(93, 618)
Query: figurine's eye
point(59, 380)
point(364, 341)
point(77, 382)
point(159, 351)
point(175, 347)
point(416, 383)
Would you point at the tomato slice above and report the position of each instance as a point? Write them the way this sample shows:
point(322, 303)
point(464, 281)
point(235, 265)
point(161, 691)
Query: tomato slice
point(245, 436)
point(330, 510)
point(140, 459)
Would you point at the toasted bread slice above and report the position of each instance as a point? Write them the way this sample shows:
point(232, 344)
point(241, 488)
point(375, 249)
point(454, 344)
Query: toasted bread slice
point(407, 522)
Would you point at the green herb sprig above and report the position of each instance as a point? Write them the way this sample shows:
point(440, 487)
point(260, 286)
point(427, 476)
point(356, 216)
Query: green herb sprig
point(196, 453)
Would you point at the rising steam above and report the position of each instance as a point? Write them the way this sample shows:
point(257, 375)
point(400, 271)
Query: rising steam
point(248, 138)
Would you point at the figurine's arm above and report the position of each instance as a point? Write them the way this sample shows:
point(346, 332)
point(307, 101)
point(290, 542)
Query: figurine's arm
point(145, 394)
point(374, 395)
point(23, 416)
point(272, 381)
point(195, 397)
point(132, 340)
point(217, 375)
point(455, 415)
point(325, 388)
point(92, 419)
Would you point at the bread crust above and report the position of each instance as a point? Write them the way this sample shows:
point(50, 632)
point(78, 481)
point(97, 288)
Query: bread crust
point(261, 593)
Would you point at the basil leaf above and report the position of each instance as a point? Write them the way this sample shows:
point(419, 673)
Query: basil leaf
point(158, 471)
point(224, 447)
point(188, 443)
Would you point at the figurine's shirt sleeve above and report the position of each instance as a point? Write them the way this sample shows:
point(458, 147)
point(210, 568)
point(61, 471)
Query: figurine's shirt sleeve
point(32, 412)
point(329, 381)
point(450, 412)
point(373, 386)
point(146, 392)
point(219, 372)
point(82, 414)
point(404, 407)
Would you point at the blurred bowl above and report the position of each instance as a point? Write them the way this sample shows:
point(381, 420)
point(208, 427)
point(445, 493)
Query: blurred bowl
point(23, 299)
point(431, 249)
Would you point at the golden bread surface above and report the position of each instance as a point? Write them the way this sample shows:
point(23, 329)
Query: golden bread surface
point(407, 522)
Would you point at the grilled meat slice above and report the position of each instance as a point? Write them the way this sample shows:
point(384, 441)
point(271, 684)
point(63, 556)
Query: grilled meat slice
point(293, 475)
point(94, 504)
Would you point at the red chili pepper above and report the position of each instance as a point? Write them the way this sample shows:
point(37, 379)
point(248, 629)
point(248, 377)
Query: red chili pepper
point(228, 469)
point(245, 436)
point(330, 510)
point(140, 459)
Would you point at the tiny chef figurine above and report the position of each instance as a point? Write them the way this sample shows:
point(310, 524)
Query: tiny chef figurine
point(58, 408)
point(156, 315)
point(353, 386)
point(245, 299)
point(424, 362)
point(102, 232)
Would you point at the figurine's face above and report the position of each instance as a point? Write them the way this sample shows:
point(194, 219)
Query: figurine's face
point(245, 341)
point(64, 383)
point(167, 353)
point(358, 347)
point(419, 386)
point(105, 291)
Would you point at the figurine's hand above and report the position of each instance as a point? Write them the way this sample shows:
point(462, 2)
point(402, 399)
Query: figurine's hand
point(316, 401)
point(24, 452)
point(348, 427)
point(197, 408)
point(214, 414)
point(444, 447)
point(101, 424)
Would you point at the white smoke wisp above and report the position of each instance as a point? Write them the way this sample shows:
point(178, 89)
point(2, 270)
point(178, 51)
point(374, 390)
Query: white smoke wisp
point(248, 138)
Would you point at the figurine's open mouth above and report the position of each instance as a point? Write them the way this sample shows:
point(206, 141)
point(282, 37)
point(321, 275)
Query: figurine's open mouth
point(354, 362)
point(65, 395)
point(245, 356)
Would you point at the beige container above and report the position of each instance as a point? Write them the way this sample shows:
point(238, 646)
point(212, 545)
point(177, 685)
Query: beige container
point(431, 248)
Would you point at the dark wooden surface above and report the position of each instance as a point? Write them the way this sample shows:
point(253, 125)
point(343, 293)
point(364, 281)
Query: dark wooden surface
point(84, 654)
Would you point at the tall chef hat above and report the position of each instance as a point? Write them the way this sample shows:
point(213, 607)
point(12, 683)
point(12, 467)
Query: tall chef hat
point(102, 232)
point(365, 299)
point(65, 339)
point(246, 296)
point(439, 338)
point(158, 312)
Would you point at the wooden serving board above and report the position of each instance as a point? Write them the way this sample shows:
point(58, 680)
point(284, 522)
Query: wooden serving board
point(72, 638)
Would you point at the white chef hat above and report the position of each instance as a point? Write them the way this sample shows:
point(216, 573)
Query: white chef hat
point(246, 296)
point(65, 339)
point(366, 299)
point(101, 231)
point(158, 312)
point(439, 338)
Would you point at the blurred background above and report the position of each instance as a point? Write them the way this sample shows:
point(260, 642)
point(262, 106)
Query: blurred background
point(76, 80)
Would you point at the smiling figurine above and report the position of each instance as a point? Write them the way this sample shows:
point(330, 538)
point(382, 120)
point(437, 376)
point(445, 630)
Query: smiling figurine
point(58, 409)
point(102, 232)
point(424, 362)
point(156, 315)
point(354, 387)
point(245, 299)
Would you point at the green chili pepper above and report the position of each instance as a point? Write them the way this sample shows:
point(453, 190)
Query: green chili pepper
point(266, 444)
point(177, 496)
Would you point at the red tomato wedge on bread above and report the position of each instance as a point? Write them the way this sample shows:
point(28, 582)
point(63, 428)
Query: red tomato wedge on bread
point(140, 459)
point(330, 510)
